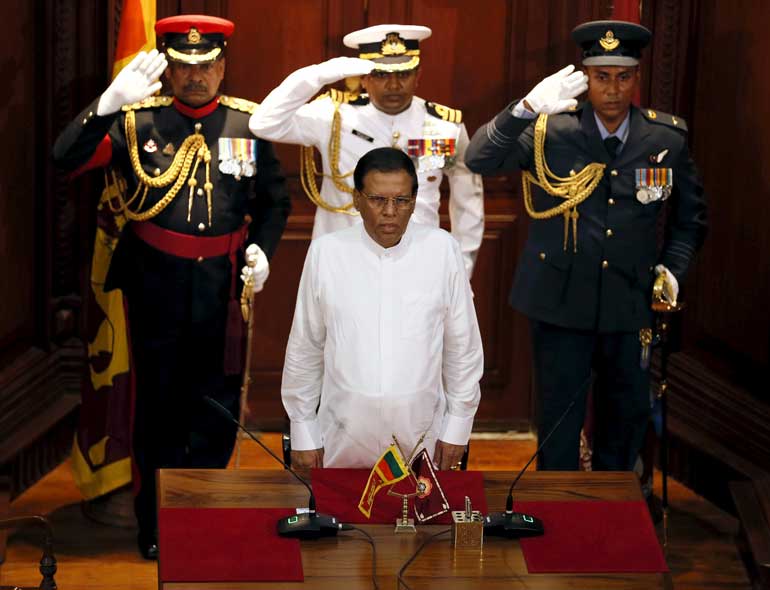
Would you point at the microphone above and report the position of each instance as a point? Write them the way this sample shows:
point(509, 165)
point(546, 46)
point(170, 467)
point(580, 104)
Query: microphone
point(310, 525)
point(515, 525)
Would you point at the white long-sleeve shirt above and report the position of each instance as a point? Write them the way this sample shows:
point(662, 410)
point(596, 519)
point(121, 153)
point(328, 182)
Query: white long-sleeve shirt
point(286, 116)
point(387, 342)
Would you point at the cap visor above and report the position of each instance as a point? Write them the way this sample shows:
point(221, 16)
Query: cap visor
point(610, 60)
point(396, 64)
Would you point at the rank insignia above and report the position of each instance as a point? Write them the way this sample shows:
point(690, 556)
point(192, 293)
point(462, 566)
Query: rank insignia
point(169, 149)
point(431, 154)
point(653, 184)
point(150, 146)
point(238, 156)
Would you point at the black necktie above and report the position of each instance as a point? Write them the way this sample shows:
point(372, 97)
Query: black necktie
point(612, 143)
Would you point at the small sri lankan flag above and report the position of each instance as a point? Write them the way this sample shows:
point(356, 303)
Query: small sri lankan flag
point(389, 469)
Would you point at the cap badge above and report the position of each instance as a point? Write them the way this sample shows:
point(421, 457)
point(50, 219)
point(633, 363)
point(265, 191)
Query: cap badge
point(193, 36)
point(609, 42)
point(393, 45)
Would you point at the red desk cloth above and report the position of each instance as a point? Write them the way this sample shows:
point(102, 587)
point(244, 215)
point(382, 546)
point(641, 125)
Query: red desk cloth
point(337, 492)
point(592, 537)
point(226, 545)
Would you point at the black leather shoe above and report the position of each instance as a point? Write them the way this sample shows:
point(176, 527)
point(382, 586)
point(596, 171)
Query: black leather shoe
point(148, 546)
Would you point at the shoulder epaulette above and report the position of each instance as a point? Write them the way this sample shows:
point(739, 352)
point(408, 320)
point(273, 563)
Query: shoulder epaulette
point(664, 119)
point(344, 97)
point(445, 113)
point(238, 104)
point(150, 102)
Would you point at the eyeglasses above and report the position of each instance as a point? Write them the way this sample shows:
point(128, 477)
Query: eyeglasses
point(378, 202)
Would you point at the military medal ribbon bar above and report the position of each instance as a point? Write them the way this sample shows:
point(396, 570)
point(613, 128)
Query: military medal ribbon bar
point(653, 184)
point(238, 156)
point(431, 154)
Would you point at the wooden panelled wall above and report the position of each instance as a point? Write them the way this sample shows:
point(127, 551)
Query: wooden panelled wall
point(707, 64)
point(53, 61)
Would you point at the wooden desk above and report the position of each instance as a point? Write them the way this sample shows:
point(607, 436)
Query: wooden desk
point(345, 561)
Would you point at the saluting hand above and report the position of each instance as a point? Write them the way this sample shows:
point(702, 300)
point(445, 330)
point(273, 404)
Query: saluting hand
point(135, 82)
point(556, 93)
point(338, 68)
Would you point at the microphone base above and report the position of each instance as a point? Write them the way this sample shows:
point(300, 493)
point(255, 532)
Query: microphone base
point(512, 525)
point(308, 526)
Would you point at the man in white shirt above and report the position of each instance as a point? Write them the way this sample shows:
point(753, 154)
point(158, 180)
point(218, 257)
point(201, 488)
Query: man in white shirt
point(385, 339)
point(343, 126)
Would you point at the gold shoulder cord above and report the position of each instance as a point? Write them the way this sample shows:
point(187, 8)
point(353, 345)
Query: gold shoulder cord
point(190, 154)
point(308, 170)
point(575, 189)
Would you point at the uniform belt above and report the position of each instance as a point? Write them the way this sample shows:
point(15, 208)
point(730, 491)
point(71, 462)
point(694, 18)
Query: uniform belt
point(187, 246)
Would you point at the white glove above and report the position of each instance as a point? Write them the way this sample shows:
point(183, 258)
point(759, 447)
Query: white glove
point(135, 82)
point(673, 283)
point(338, 68)
point(556, 93)
point(257, 267)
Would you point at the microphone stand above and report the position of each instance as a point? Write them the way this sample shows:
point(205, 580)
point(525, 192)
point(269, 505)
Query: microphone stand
point(302, 526)
point(515, 525)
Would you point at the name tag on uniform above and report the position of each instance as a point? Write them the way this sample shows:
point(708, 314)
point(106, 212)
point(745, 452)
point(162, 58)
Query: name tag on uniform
point(431, 154)
point(238, 156)
point(653, 184)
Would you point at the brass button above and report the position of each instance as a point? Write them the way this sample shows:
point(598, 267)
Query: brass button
point(605, 264)
point(90, 113)
point(201, 226)
point(200, 259)
point(199, 192)
point(613, 172)
point(611, 201)
point(572, 172)
point(542, 256)
point(609, 233)
point(156, 172)
point(85, 121)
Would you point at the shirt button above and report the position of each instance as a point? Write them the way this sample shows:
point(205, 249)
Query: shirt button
point(201, 226)
point(605, 264)
point(613, 172)
point(611, 201)
point(542, 256)
point(609, 233)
